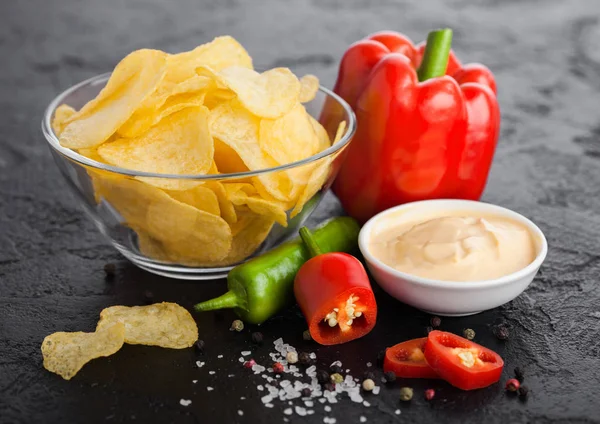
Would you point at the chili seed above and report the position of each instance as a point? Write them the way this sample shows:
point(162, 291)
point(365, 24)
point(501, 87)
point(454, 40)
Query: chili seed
point(368, 385)
point(406, 394)
point(469, 333)
point(336, 369)
point(306, 335)
point(435, 321)
point(291, 357)
point(277, 367)
point(389, 376)
point(257, 337)
point(369, 375)
point(428, 330)
point(306, 392)
point(329, 386)
point(236, 325)
point(501, 332)
point(523, 392)
point(110, 270)
point(322, 376)
point(304, 358)
point(199, 345)
point(250, 363)
point(336, 378)
point(519, 374)
point(512, 385)
point(429, 394)
point(148, 297)
point(380, 358)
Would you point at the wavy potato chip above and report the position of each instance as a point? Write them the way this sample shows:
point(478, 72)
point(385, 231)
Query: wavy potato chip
point(185, 230)
point(321, 132)
point(225, 206)
point(249, 231)
point(61, 115)
point(181, 144)
point(132, 80)
point(162, 324)
point(200, 197)
point(289, 138)
point(268, 95)
point(66, 353)
point(309, 85)
point(246, 195)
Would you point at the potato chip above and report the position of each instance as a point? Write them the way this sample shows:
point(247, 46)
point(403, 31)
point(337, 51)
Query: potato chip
point(183, 229)
point(309, 85)
point(268, 95)
point(322, 136)
point(249, 232)
point(289, 138)
point(61, 115)
point(319, 176)
point(181, 144)
point(227, 159)
point(246, 194)
point(200, 197)
point(225, 205)
point(161, 324)
point(66, 353)
point(132, 80)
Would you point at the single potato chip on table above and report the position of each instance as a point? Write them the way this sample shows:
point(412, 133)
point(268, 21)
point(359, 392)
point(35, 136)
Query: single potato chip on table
point(162, 324)
point(66, 353)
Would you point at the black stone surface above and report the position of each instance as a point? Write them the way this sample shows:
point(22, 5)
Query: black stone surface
point(546, 56)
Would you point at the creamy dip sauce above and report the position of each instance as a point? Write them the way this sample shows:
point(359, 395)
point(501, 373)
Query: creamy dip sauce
point(461, 246)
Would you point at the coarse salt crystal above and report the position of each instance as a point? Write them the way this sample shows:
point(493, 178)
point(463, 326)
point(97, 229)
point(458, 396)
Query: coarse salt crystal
point(246, 353)
point(212, 372)
point(312, 355)
point(363, 419)
point(242, 397)
point(369, 364)
point(231, 375)
point(220, 356)
point(194, 381)
point(241, 359)
point(322, 400)
point(185, 402)
point(338, 363)
point(347, 370)
point(240, 412)
point(376, 390)
point(327, 408)
point(397, 412)
point(310, 412)
point(367, 404)
point(288, 411)
point(300, 411)
point(309, 403)
point(278, 342)
point(266, 399)
point(210, 389)
point(268, 405)
point(199, 364)
point(260, 387)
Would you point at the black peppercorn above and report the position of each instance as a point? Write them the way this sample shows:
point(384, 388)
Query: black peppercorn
point(199, 345)
point(306, 392)
point(389, 376)
point(435, 322)
point(304, 358)
point(336, 369)
point(519, 374)
point(322, 376)
point(257, 337)
point(110, 270)
point(380, 358)
point(501, 332)
point(523, 392)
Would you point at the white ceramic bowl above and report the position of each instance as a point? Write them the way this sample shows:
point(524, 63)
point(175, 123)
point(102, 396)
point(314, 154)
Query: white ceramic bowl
point(450, 298)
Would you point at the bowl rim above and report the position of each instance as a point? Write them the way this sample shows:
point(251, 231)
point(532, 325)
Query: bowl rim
point(54, 143)
point(470, 205)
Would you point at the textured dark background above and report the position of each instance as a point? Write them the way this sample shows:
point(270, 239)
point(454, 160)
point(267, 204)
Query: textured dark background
point(546, 56)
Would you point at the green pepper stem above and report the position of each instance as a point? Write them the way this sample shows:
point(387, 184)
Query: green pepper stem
point(310, 242)
point(228, 300)
point(437, 52)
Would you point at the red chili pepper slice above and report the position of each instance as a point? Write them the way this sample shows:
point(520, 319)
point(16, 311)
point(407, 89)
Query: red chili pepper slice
point(461, 362)
point(335, 295)
point(407, 359)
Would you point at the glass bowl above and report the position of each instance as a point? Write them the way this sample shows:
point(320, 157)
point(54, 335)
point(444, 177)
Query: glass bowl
point(160, 235)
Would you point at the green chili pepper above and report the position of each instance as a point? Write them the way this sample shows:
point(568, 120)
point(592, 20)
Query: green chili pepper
point(263, 286)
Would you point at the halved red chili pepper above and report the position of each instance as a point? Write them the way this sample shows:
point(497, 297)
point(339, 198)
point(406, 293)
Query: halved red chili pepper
point(407, 360)
point(335, 295)
point(461, 362)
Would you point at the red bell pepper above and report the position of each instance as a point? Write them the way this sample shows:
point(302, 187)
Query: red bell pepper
point(421, 134)
point(335, 295)
point(461, 362)
point(407, 360)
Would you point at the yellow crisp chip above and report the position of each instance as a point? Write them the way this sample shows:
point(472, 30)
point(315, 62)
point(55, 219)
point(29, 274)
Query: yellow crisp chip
point(66, 353)
point(61, 115)
point(133, 79)
point(309, 85)
point(289, 138)
point(183, 229)
point(227, 159)
point(225, 206)
point(162, 324)
point(246, 194)
point(179, 144)
point(250, 231)
point(268, 95)
point(200, 197)
point(322, 136)
point(319, 175)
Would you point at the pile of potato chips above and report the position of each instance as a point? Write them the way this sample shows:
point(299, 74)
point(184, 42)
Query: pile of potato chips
point(163, 324)
point(200, 112)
